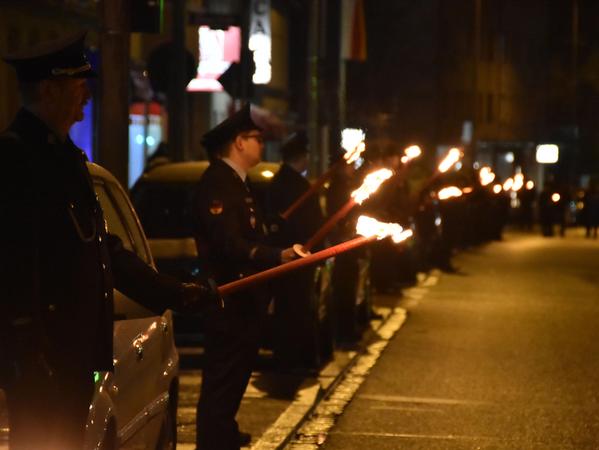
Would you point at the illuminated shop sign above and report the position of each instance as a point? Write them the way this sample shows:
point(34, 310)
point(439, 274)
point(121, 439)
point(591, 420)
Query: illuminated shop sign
point(218, 49)
point(547, 153)
point(260, 40)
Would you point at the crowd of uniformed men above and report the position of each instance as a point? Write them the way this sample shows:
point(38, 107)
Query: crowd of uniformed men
point(59, 264)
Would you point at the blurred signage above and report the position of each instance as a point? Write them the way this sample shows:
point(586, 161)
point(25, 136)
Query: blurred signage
point(547, 153)
point(260, 40)
point(218, 50)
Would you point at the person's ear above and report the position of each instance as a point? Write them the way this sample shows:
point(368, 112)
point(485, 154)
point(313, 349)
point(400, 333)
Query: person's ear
point(238, 142)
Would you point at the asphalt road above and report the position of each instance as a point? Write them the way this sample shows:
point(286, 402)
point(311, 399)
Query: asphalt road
point(503, 355)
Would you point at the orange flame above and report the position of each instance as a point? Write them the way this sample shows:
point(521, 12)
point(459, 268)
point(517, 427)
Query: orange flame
point(371, 183)
point(410, 153)
point(449, 192)
point(486, 175)
point(453, 156)
point(518, 182)
point(369, 227)
point(351, 156)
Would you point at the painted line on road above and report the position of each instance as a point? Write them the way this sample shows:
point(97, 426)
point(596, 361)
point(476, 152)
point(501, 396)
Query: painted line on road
point(425, 400)
point(437, 437)
point(407, 408)
point(313, 432)
point(294, 414)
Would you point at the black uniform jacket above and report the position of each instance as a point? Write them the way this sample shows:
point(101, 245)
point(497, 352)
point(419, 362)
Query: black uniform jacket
point(286, 187)
point(58, 264)
point(230, 234)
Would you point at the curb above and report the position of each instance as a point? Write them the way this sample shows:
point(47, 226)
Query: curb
point(313, 390)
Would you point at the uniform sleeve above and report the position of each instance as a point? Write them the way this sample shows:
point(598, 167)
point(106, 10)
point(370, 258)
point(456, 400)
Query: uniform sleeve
point(20, 315)
point(137, 280)
point(217, 222)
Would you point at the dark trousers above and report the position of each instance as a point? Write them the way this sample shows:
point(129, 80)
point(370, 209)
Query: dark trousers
point(231, 347)
point(48, 412)
point(296, 342)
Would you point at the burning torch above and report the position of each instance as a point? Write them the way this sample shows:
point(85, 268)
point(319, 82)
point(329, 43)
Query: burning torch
point(369, 230)
point(371, 183)
point(452, 157)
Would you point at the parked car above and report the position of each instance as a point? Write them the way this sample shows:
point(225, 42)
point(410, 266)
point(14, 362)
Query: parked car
point(162, 197)
point(134, 407)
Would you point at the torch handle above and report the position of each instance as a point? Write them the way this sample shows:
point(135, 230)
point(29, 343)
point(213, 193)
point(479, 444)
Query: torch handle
point(260, 277)
point(315, 186)
point(329, 224)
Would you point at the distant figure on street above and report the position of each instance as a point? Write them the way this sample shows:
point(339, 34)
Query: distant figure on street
point(591, 211)
point(58, 263)
point(229, 231)
point(546, 211)
point(295, 348)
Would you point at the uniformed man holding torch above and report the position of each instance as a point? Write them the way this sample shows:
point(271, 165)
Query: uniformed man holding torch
point(230, 235)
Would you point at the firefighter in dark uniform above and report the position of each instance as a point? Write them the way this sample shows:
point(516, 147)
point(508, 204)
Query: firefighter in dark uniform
point(58, 263)
point(230, 235)
point(296, 343)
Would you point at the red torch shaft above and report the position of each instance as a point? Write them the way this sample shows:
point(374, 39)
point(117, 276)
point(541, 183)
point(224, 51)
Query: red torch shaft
point(329, 224)
point(315, 186)
point(260, 277)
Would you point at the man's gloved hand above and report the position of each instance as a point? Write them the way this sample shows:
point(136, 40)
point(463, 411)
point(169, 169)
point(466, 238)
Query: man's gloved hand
point(201, 295)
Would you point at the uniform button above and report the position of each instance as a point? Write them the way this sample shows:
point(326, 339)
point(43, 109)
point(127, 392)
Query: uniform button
point(51, 308)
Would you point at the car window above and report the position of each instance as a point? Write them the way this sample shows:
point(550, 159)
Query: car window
point(133, 227)
point(121, 223)
point(114, 220)
point(164, 209)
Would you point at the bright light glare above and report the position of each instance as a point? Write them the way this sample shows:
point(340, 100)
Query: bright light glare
point(267, 174)
point(371, 183)
point(508, 184)
point(449, 192)
point(453, 156)
point(547, 153)
point(530, 184)
point(486, 176)
point(411, 152)
point(555, 197)
point(467, 190)
point(368, 227)
point(509, 157)
point(351, 138)
point(260, 44)
point(518, 182)
point(497, 188)
point(353, 155)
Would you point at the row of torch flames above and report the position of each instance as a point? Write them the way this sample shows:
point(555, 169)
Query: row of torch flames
point(367, 228)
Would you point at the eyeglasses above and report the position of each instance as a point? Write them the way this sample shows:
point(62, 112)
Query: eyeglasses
point(258, 137)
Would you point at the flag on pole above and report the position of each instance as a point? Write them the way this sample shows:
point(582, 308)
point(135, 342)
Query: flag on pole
point(353, 30)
